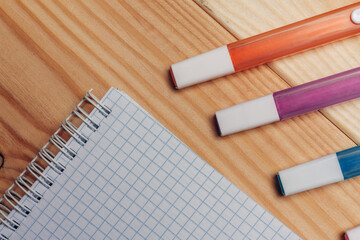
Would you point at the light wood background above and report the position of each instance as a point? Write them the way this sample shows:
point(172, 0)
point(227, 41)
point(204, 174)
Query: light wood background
point(53, 52)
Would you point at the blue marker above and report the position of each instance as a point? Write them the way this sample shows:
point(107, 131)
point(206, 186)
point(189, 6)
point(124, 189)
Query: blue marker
point(332, 168)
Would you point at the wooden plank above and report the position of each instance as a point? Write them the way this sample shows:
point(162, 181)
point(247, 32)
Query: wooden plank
point(53, 52)
point(248, 18)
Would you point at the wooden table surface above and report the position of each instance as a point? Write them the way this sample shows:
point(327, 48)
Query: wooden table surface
point(53, 52)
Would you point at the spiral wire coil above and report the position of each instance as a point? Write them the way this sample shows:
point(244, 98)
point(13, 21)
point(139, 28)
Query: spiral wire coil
point(12, 197)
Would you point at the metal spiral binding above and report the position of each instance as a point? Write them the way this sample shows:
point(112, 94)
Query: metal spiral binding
point(73, 131)
point(49, 158)
point(37, 171)
point(25, 185)
point(12, 197)
point(7, 221)
point(83, 115)
point(60, 143)
point(2, 237)
point(96, 102)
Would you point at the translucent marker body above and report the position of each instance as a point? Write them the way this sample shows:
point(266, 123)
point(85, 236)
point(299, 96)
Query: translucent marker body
point(290, 102)
point(265, 47)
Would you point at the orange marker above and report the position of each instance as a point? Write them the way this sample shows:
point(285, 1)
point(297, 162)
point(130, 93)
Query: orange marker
point(265, 47)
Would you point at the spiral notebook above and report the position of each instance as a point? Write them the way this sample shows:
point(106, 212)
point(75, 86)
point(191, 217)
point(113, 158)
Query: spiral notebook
point(122, 175)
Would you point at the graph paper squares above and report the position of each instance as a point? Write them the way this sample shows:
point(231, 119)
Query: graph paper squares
point(135, 180)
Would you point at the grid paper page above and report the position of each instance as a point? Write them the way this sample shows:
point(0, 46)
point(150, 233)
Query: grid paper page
point(133, 179)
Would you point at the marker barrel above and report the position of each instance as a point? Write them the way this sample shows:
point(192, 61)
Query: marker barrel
point(293, 38)
point(318, 94)
point(268, 46)
point(290, 102)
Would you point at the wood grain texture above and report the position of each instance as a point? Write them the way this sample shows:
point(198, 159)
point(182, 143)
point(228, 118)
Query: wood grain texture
point(53, 52)
point(248, 18)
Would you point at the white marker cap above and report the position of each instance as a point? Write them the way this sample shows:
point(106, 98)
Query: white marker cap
point(353, 234)
point(313, 174)
point(246, 115)
point(203, 67)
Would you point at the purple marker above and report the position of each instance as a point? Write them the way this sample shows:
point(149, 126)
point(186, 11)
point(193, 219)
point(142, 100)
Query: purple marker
point(290, 102)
